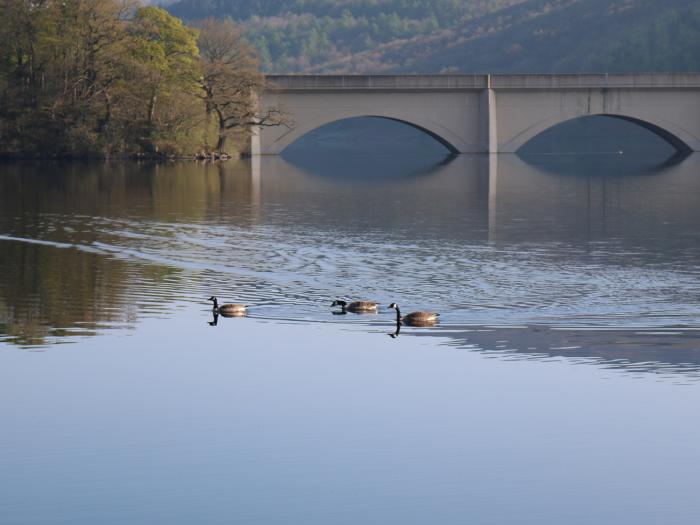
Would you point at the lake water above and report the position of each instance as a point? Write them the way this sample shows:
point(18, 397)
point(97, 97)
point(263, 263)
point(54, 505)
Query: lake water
point(558, 386)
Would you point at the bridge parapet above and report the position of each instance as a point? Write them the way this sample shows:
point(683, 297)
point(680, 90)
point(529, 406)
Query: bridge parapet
point(282, 83)
point(375, 82)
point(597, 81)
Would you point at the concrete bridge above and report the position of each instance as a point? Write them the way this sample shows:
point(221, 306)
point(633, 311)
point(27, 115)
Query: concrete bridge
point(483, 113)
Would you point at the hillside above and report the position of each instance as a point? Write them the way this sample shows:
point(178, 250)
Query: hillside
point(296, 35)
point(386, 36)
point(552, 36)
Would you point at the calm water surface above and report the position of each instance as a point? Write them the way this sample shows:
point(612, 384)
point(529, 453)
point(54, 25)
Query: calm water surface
point(559, 387)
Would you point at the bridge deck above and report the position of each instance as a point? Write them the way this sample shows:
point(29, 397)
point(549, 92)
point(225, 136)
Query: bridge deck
point(471, 82)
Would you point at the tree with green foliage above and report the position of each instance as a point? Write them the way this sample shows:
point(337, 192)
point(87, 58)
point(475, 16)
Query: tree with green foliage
point(166, 56)
point(59, 67)
point(110, 77)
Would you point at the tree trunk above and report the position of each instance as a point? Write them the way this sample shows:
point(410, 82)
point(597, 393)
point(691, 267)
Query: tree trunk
point(108, 108)
point(108, 113)
point(152, 109)
point(221, 142)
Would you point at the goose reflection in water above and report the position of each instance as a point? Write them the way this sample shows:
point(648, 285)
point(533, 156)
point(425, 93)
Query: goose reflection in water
point(215, 319)
point(396, 332)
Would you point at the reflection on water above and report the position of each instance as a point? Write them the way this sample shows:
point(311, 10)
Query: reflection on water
point(665, 352)
point(162, 411)
point(484, 240)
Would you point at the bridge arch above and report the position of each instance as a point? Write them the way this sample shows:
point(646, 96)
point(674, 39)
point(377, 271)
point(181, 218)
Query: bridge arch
point(482, 113)
point(430, 128)
point(676, 136)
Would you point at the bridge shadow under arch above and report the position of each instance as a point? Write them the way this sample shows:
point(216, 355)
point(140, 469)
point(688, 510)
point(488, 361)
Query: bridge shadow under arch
point(636, 134)
point(450, 148)
point(369, 147)
point(680, 146)
point(364, 131)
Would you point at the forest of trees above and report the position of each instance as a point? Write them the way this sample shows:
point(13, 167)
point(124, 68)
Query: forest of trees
point(292, 35)
point(563, 36)
point(470, 36)
point(85, 78)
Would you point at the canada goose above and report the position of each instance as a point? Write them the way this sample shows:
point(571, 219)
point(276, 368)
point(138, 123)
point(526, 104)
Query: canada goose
point(415, 318)
point(357, 307)
point(228, 310)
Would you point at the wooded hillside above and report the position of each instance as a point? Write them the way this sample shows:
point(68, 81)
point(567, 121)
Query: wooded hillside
point(423, 36)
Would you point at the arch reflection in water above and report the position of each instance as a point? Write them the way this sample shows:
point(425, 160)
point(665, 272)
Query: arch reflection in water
point(633, 197)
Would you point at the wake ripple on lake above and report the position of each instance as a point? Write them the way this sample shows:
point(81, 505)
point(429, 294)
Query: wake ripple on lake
point(516, 247)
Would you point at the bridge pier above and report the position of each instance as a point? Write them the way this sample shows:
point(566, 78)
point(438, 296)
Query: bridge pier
point(482, 113)
point(488, 122)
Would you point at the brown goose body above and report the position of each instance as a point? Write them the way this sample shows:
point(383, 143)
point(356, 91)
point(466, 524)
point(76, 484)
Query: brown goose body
point(420, 318)
point(362, 306)
point(358, 307)
point(232, 310)
point(415, 318)
point(229, 309)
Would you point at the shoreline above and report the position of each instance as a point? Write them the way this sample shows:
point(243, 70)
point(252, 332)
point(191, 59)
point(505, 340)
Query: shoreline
point(121, 158)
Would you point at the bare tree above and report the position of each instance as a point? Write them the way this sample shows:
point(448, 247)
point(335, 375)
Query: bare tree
point(231, 80)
